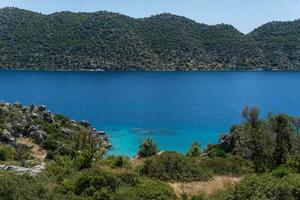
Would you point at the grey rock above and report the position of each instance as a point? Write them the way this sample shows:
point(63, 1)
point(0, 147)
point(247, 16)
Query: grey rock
point(39, 136)
point(34, 128)
point(48, 117)
point(66, 131)
point(42, 108)
point(85, 123)
point(4, 111)
point(34, 115)
point(32, 107)
point(24, 170)
point(6, 137)
point(100, 133)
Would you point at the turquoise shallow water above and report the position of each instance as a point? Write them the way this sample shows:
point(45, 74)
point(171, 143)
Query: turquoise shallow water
point(174, 108)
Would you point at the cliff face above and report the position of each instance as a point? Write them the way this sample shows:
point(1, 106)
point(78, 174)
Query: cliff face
point(111, 41)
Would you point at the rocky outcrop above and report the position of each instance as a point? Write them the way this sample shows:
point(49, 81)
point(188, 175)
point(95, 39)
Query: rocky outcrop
point(24, 170)
point(54, 134)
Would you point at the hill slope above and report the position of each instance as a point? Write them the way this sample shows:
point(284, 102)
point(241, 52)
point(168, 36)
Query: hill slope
point(111, 41)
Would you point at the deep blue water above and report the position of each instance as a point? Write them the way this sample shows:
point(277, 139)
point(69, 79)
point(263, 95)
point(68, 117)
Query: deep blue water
point(174, 108)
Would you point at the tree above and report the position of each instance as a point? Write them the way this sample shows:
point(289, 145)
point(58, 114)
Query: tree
point(256, 138)
point(195, 150)
point(251, 115)
point(148, 148)
point(283, 144)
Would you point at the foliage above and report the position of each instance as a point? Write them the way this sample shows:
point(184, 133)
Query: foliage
point(283, 140)
point(7, 152)
point(195, 150)
point(111, 41)
point(147, 189)
point(147, 149)
point(172, 166)
point(231, 165)
point(266, 186)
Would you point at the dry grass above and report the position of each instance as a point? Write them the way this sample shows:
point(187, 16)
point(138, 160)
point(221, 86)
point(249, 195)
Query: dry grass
point(36, 151)
point(206, 187)
point(135, 162)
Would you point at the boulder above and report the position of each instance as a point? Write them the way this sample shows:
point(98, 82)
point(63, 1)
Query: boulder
point(4, 111)
point(48, 117)
point(6, 137)
point(42, 108)
point(39, 136)
point(85, 123)
point(66, 131)
point(100, 133)
point(226, 142)
point(32, 107)
point(34, 128)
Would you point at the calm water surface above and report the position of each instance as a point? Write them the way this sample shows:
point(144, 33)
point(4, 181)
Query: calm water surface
point(174, 108)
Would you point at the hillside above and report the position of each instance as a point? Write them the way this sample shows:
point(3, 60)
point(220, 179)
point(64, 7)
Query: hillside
point(111, 41)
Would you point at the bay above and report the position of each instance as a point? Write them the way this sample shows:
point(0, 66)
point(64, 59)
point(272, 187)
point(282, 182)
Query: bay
point(173, 108)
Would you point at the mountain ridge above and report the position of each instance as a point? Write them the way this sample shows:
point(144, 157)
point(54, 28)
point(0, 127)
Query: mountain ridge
point(165, 42)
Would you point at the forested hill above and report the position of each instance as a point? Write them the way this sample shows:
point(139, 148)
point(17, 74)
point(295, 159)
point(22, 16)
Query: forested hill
point(111, 41)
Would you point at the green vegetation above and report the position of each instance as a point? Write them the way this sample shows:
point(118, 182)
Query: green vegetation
point(147, 149)
point(261, 155)
point(111, 41)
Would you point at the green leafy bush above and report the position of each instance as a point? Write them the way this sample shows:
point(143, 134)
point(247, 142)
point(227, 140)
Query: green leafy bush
point(194, 150)
point(281, 172)
point(216, 152)
point(146, 190)
point(266, 186)
point(232, 165)
point(7, 152)
point(172, 166)
point(148, 148)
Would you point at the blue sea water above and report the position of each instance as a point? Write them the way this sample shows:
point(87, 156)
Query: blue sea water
point(173, 108)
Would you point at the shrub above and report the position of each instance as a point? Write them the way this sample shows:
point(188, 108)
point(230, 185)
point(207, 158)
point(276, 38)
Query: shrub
point(172, 166)
point(281, 172)
point(194, 150)
point(23, 152)
point(216, 152)
point(115, 162)
point(232, 165)
point(267, 186)
point(129, 179)
point(7, 152)
point(90, 182)
point(147, 149)
point(84, 159)
point(146, 190)
point(119, 162)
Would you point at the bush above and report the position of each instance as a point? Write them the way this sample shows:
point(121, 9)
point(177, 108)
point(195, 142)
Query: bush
point(172, 166)
point(115, 162)
point(146, 190)
point(232, 165)
point(281, 172)
point(120, 162)
point(23, 152)
point(194, 150)
point(216, 152)
point(267, 186)
point(88, 183)
point(19, 187)
point(7, 152)
point(148, 148)
point(84, 159)
point(129, 179)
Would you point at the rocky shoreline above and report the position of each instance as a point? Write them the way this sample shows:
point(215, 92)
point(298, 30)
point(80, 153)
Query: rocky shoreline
point(42, 135)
